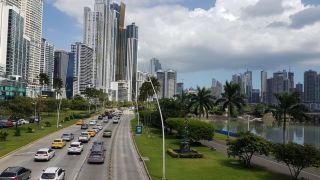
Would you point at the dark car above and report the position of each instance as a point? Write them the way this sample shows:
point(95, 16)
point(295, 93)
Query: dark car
point(97, 153)
point(84, 126)
point(107, 133)
point(34, 119)
point(100, 117)
point(6, 123)
point(18, 172)
point(67, 136)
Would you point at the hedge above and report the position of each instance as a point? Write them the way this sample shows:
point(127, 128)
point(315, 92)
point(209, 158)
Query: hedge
point(197, 130)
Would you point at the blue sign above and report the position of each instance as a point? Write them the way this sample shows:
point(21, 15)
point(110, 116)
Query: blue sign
point(138, 129)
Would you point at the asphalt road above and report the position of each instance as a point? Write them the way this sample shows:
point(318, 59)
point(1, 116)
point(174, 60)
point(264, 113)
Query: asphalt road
point(76, 166)
point(125, 162)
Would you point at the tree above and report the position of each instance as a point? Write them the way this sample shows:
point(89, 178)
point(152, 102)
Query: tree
point(44, 80)
point(57, 85)
point(201, 102)
point(183, 101)
point(231, 98)
point(103, 97)
point(146, 90)
point(288, 104)
point(246, 145)
point(297, 157)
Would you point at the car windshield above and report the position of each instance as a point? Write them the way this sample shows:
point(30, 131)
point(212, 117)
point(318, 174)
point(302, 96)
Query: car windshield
point(57, 140)
point(48, 176)
point(41, 152)
point(65, 135)
point(7, 174)
point(74, 145)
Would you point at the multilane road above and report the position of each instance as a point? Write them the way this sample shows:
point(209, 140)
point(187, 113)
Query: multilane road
point(122, 164)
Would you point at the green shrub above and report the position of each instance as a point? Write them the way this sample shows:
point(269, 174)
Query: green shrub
point(67, 118)
point(193, 154)
point(29, 130)
point(197, 130)
point(3, 136)
point(47, 124)
point(17, 132)
point(172, 153)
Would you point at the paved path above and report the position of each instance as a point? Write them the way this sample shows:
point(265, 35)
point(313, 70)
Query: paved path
point(125, 161)
point(267, 162)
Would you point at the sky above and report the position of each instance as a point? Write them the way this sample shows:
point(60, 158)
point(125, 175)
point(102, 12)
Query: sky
point(205, 39)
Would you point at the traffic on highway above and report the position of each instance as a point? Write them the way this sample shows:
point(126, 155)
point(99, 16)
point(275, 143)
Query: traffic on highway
point(75, 152)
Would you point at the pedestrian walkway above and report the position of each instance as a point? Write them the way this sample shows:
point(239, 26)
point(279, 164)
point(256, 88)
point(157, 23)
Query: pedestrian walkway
point(268, 163)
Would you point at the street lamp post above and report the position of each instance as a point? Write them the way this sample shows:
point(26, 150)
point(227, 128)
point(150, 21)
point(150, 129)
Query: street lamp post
point(163, 141)
point(248, 122)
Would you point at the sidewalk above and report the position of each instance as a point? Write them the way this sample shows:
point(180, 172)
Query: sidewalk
point(268, 163)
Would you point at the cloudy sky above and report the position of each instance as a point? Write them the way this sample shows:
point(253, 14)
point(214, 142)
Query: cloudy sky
point(205, 39)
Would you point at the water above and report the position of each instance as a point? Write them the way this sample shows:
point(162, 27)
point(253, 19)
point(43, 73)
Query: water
point(301, 134)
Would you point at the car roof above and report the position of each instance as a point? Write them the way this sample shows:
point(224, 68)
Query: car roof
point(44, 149)
point(13, 169)
point(51, 169)
point(75, 142)
point(58, 139)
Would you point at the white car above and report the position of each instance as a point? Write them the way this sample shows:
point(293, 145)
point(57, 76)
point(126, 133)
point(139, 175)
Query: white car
point(106, 120)
point(84, 137)
point(75, 148)
point(99, 126)
point(92, 122)
point(115, 121)
point(44, 154)
point(96, 129)
point(55, 173)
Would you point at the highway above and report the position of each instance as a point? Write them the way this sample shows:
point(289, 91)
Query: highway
point(123, 159)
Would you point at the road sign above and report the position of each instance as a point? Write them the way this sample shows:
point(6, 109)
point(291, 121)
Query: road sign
point(138, 129)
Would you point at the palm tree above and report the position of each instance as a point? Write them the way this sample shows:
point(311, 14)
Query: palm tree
point(44, 80)
point(231, 98)
point(288, 104)
point(201, 102)
point(146, 90)
point(57, 85)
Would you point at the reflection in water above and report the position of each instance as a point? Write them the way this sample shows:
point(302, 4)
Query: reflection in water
point(301, 134)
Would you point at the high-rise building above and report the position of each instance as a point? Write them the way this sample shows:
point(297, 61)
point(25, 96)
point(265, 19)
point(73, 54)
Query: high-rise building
point(141, 78)
point(132, 58)
point(310, 86)
point(299, 89)
point(33, 9)
point(14, 55)
point(264, 77)
point(47, 62)
point(16, 3)
point(255, 96)
point(180, 88)
point(70, 76)
point(269, 91)
point(61, 60)
point(155, 66)
point(245, 82)
point(168, 82)
point(83, 67)
point(216, 88)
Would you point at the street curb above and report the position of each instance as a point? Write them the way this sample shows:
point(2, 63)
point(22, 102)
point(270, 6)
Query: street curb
point(16, 150)
point(140, 157)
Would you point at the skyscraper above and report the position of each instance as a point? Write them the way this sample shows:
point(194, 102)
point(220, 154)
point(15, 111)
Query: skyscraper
point(264, 77)
point(83, 67)
point(14, 54)
point(216, 88)
point(33, 9)
point(61, 59)
point(154, 66)
point(121, 44)
point(47, 62)
point(168, 82)
point(245, 82)
point(16, 3)
point(132, 57)
point(310, 86)
point(180, 88)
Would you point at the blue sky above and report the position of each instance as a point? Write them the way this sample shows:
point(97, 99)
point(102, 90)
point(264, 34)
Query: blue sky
point(62, 30)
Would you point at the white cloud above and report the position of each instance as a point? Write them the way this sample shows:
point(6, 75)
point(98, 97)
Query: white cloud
point(220, 37)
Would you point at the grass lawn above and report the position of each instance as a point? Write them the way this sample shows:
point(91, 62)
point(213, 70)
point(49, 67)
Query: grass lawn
point(214, 165)
point(15, 142)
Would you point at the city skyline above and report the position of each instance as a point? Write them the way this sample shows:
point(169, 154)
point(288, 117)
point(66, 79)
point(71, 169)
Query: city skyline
point(186, 12)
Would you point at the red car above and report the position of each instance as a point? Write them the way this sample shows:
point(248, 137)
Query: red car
point(6, 123)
